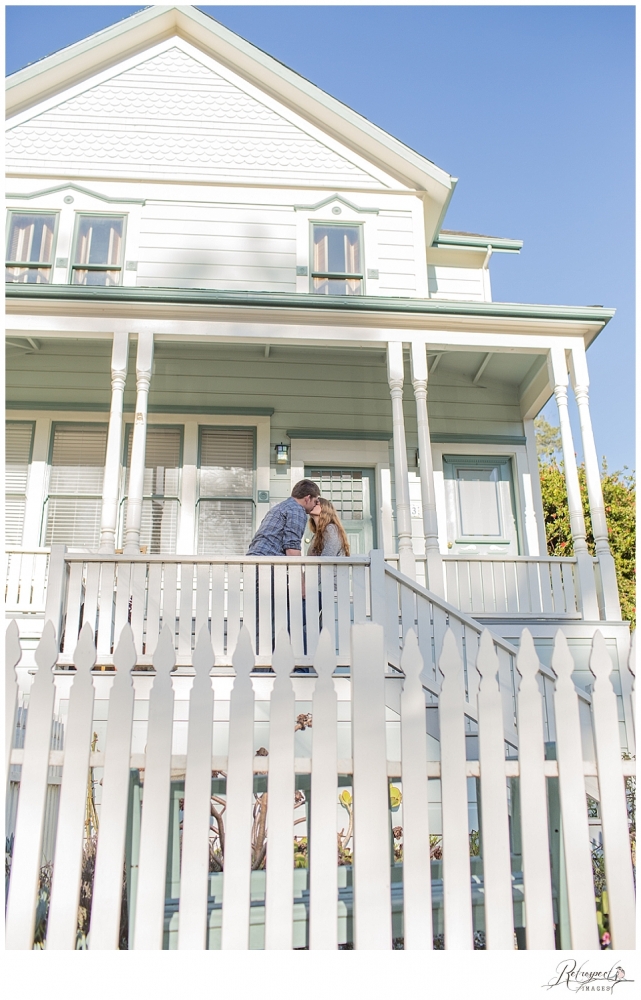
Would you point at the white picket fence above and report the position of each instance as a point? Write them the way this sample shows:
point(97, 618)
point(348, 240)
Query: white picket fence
point(370, 768)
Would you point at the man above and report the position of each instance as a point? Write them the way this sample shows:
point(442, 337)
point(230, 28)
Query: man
point(282, 529)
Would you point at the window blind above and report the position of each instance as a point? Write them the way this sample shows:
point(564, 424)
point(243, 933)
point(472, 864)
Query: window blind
point(19, 438)
point(74, 503)
point(226, 507)
point(161, 486)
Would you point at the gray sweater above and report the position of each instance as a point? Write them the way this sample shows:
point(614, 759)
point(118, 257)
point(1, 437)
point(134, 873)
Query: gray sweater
point(333, 546)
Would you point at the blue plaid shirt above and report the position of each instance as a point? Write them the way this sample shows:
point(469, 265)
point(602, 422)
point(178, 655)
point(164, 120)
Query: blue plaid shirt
point(282, 528)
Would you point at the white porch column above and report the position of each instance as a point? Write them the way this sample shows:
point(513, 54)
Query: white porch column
point(111, 481)
point(395, 376)
point(144, 361)
point(585, 563)
point(434, 562)
point(581, 383)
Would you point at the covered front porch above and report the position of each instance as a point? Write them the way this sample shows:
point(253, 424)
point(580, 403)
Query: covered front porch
point(168, 430)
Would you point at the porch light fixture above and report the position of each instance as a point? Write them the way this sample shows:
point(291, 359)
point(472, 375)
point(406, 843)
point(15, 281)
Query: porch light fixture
point(418, 459)
point(282, 454)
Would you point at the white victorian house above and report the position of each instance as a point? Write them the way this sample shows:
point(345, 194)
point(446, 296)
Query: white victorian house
point(220, 279)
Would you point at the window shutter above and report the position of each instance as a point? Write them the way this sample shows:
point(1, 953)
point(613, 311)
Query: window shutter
point(226, 508)
point(161, 487)
point(19, 438)
point(75, 485)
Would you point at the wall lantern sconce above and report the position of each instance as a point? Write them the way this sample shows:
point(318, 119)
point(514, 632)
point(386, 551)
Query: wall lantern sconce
point(282, 454)
point(418, 459)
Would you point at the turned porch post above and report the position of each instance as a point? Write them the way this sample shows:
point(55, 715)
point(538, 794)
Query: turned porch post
point(111, 481)
point(585, 562)
point(395, 376)
point(144, 361)
point(581, 383)
point(434, 562)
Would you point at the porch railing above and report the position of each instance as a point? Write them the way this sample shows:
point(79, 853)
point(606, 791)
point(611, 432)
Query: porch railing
point(437, 900)
point(527, 586)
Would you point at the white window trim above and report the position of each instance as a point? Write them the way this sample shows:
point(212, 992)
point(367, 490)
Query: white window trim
point(527, 520)
point(84, 203)
point(349, 215)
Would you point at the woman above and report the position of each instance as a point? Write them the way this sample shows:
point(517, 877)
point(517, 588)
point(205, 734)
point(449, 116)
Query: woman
point(329, 538)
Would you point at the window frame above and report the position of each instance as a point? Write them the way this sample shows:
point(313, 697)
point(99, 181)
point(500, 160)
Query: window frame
point(244, 499)
point(47, 495)
point(83, 213)
point(11, 494)
point(32, 264)
point(128, 432)
point(339, 276)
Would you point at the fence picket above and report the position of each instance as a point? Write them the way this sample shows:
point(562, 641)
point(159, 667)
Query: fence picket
point(152, 629)
point(138, 588)
point(574, 819)
point(296, 611)
point(107, 887)
point(90, 611)
point(185, 609)
point(343, 611)
point(457, 897)
point(372, 910)
point(233, 605)
point(169, 594)
point(359, 594)
point(240, 778)
point(194, 875)
point(202, 596)
point(279, 886)
point(312, 608)
point(67, 867)
point(391, 619)
point(535, 840)
point(417, 905)
point(218, 609)
point(497, 872)
point(265, 621)
point(27, 850)
point(74, 601)
point(154, 827)
point(614, 818)
point(12, 657)
point(323, 871)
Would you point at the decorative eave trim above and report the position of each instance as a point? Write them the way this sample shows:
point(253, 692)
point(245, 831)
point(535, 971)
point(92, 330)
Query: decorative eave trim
point(307, 301)
point(332, 198)
point(498, 244)
point(332, 435)
point(445, 438)
point(80, 190)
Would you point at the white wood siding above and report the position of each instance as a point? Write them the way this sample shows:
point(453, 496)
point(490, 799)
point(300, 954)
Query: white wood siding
point(397, 254)
point(246, 247)
point(465, 284)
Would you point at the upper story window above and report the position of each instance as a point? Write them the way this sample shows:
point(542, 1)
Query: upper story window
point(30, 247)
point(337, 267)
point(97, 251)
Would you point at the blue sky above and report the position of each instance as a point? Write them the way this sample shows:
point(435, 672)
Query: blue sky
point(532, 108)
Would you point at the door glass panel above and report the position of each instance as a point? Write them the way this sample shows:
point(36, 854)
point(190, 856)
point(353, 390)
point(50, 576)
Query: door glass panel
point(352, 493)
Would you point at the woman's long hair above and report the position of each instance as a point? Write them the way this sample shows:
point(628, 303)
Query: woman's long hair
point(327, 516)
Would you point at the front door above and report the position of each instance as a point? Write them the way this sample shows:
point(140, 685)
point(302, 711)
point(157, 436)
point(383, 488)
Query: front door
point(352, 493)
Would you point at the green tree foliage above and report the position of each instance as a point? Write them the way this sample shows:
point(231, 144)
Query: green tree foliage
point(619, 495)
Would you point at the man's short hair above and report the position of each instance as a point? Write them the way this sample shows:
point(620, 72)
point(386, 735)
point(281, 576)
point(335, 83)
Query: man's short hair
point(305, 488)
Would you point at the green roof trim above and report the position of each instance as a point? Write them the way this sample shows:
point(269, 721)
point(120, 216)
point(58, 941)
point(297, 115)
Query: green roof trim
point(332, 435)
point(229, 411)
point(478, 242)
point(477, 438)
point(305, 301)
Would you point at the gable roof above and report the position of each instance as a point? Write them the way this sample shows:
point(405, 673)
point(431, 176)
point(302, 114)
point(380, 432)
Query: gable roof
point(76, 63)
